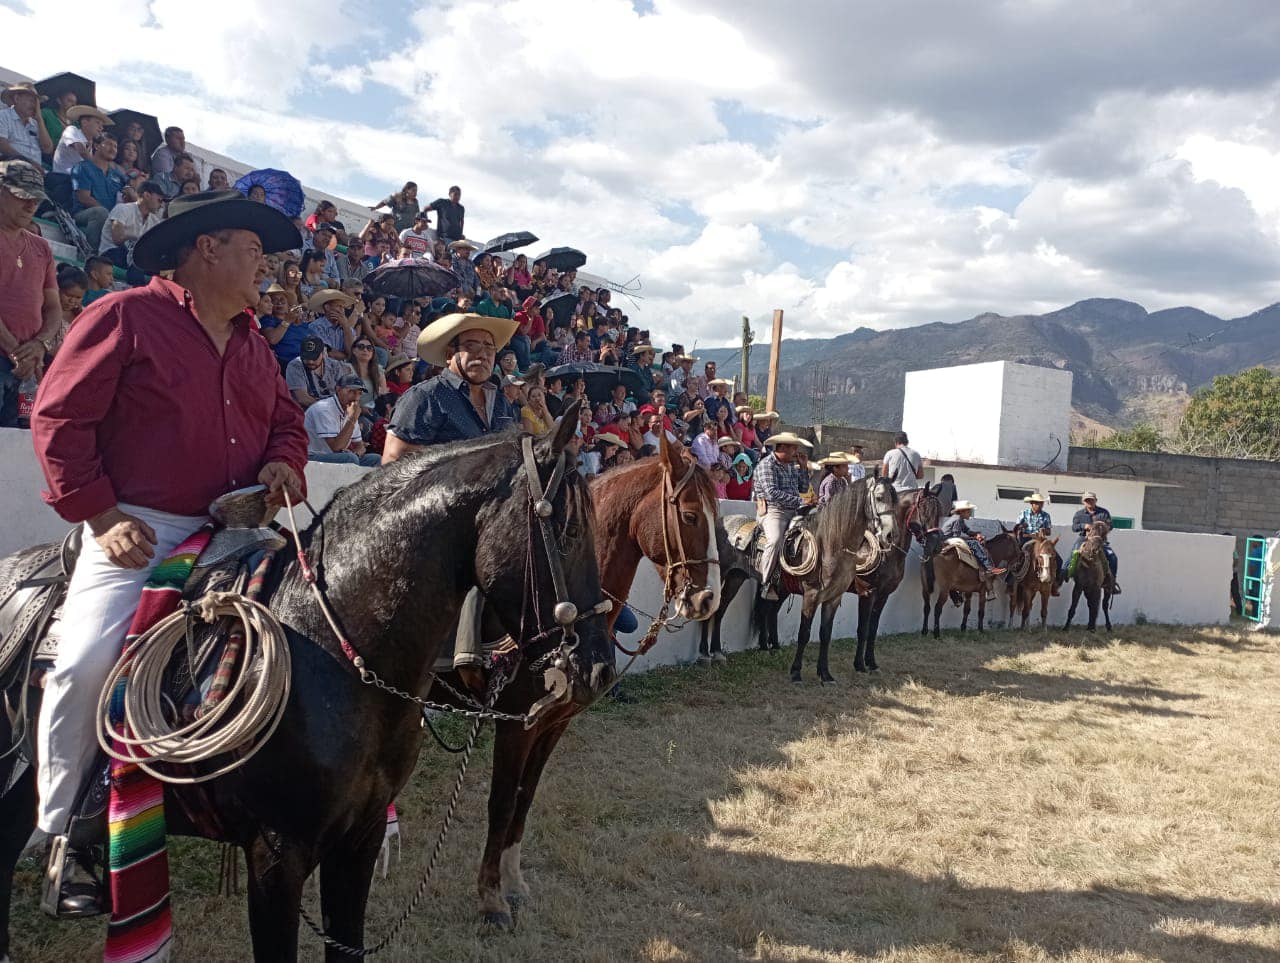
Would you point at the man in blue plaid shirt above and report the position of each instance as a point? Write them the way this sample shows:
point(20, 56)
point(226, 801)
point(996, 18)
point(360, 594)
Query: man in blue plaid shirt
point(1035, 519)
point(779, 481)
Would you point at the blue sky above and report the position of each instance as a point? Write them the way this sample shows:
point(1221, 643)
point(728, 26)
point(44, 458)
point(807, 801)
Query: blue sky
point(853, 164)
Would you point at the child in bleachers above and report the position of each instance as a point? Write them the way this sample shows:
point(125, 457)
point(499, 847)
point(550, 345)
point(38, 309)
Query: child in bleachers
point(101, 278)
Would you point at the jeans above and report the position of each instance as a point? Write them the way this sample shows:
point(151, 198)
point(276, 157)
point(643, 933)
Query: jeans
point(8, 394)
point(100, 604)
point(370, 460)
point(520, 345)
point(90, 220)
point(980, 553)
point(774, 522)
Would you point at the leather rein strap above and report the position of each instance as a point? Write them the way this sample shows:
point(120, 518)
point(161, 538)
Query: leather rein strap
point(671, 494)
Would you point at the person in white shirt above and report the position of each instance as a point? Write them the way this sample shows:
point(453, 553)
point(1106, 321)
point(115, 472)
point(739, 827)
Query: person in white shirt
point(22, 129)
point(333, 426)
point(126, 222)
point(419, 239)
point(73, 147)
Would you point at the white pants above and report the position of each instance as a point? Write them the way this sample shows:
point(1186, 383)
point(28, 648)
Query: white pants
point(101, 600)
point(774, 521)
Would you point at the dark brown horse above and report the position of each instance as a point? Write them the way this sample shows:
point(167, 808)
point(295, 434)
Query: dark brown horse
point(317, 793)
point(1092, 578)
point(1040, 578)
point(958, 581)
point(662, 508)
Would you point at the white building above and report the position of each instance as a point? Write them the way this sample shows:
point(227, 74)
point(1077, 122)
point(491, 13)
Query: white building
point(1002, 431)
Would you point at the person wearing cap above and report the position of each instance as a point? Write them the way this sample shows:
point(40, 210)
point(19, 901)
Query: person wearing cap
point(1092, 512)
point(30, 309)
point(450, 215)
point(22, 126)
point(333, 426)
point(335, 327)
point(73, 146)
point(463, 401)
point(313, 374)
point(513, 390)
point(418, 238)
point(162, 399)
point(779, 482)
point(902, 466)
point(282, 326)
point(957, 526)
point(835, 476)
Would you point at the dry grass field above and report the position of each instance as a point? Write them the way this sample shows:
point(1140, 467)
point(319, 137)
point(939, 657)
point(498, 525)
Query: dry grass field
point(1002, 798)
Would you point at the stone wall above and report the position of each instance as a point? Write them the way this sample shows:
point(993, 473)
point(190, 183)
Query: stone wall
point(1214, 494)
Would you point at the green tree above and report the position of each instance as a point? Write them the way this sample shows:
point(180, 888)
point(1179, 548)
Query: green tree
point(1141, 437)
point(1238, 416)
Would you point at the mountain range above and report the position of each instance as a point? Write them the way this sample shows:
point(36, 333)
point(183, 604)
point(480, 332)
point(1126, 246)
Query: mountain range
point(1129, 365)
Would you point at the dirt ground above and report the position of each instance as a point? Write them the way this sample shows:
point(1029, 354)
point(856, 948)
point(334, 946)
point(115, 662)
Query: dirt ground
point(1009, 797)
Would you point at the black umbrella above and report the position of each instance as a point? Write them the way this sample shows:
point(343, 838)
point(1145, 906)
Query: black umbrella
point(411, 278)
point(508, 242)
point(151, 136)
point(562, 258)
point(600, 378)
point(562, 304)
point(86, 90)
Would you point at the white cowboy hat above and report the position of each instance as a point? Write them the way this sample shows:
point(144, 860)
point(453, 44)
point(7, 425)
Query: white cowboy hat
point(744, 410)
point(464, 245)
point(642, 348)
point(963, 505)
point(835, 458)
point(786, 438)
point(318, 300)
point(1089, 496)
point(433, 342)
point(767, 416)
point(1037, 497)
point(727, 442)
point(85, 110)
point(719, 381)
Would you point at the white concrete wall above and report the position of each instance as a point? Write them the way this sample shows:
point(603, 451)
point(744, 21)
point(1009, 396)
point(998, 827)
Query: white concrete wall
point(1035, 416)
point(1167, 576)
point(954, 413)
point(1121, 496)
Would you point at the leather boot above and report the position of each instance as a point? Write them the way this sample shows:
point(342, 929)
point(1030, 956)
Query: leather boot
point(74, 884)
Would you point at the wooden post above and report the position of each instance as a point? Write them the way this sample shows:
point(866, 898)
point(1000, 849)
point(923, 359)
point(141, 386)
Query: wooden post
point(775, 361)
point(744, 369)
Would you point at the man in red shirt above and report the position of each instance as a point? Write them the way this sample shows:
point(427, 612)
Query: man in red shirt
point(30, 311)
point(160, 399)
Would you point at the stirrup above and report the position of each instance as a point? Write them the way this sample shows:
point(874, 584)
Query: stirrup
point(73, 887)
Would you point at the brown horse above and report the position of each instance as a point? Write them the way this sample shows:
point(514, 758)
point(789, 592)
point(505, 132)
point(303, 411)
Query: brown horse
point(662, 508)
point(954, 578)
point(1039, 579)
point(1093, 578)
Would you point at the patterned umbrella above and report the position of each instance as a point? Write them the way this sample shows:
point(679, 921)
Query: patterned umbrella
point(562, 258)
point(411, 278)
point(284, 192)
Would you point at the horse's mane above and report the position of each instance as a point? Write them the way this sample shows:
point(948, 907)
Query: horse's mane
point(837, 518)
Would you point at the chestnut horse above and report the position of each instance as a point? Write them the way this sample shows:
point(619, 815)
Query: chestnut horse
point(954, 578)
point(663, 508)
point(1039, 579)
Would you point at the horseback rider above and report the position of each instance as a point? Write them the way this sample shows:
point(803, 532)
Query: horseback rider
point(1035, 519)
point(1080, 522)
point(835, 476)
point(779, 484)
point(161, 399)
point(957, 526)
point(902, 466)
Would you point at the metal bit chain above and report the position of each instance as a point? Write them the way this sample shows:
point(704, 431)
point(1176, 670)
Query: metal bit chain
point(480, 713)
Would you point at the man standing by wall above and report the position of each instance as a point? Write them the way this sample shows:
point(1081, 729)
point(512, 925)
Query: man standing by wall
point(30, 312)
point(902, 466)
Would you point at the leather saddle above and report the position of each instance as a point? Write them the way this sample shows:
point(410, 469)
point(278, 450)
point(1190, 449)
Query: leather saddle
point(960, 548)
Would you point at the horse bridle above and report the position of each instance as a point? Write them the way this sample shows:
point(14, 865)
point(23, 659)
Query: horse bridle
point(671, 496)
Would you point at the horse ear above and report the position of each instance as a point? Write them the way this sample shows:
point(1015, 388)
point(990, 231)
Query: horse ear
point(666, 451)
point(567, 428)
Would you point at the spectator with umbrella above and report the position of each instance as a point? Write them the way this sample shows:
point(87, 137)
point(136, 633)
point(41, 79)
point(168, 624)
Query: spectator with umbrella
point(278, 188)
point(411, 278)
point(563, 259)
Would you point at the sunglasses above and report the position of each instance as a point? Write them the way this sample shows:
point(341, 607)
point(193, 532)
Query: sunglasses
point(363, 346)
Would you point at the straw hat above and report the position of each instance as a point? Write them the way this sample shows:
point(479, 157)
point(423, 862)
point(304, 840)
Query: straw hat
point(1037, 497)
point(727, 442)
point(787, 438)
point(84, 110)
point(318, 300)
point(767, 416)
point(744, 410)
point(835, 458)
point(464, 245)
point(396, 362)
point(433, 342)
point(718, 382)
point(23, 88)
point(963, 505)
point(274, 289)
point(642, 349)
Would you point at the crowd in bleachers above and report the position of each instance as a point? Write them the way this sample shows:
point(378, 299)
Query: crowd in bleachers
point(335, 338)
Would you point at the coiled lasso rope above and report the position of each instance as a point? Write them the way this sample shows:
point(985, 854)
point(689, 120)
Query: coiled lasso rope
point(806, 558)
point(222, 730)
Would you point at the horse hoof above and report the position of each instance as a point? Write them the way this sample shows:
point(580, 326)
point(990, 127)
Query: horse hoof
point(501, 921)
point(704, 660)
point(719, 657)
point(516, 901)
point(873, 669)
point(774, 646)
point(795, 678)
point(828, 679)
